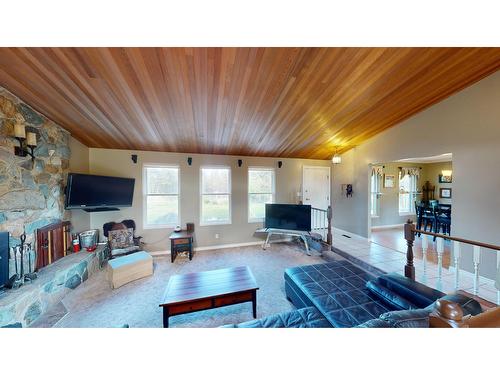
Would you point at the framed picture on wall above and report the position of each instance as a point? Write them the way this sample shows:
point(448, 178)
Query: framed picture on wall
point(389, 180)
point(445, 193)
point(445, 179)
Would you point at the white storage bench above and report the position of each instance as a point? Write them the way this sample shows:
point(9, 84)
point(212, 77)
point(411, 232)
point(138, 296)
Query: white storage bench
point(128, 268)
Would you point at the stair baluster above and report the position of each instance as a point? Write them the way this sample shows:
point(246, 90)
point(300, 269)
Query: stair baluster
point(457, 253)
point(477, 261)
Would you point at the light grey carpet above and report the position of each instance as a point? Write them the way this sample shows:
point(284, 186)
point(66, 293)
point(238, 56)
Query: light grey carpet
point(95, 304)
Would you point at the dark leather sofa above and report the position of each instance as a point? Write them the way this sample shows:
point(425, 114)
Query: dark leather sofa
point(347, 296)
point(339, 294)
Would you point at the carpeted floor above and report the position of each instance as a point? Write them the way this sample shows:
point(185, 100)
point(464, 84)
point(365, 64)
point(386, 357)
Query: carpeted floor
point(95, 304)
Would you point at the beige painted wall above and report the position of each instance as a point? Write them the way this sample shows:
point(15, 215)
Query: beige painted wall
point(467, 125)
point(431, 174)
point(119, 163)
point(389, 200)
point(79, 163)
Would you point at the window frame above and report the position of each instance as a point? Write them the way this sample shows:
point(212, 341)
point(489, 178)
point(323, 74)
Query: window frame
point(273, 200)
point(412, 195)
point(201, 194)
point(377, 193)
point(145, 196)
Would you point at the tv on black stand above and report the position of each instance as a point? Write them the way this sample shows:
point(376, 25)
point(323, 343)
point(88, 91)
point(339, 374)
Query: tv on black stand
point(288, 219)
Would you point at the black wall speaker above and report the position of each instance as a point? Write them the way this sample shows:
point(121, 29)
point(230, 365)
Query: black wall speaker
point(4, 258)
point(134, 158)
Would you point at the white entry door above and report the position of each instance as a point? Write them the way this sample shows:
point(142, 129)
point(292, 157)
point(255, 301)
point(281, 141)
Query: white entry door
point(316, 186)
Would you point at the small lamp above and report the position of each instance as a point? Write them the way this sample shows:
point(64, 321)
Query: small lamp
point(446, 173)
point(26, 140)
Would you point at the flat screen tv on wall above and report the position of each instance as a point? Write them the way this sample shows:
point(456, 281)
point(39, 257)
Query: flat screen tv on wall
point(288, 216)
point(98, 193)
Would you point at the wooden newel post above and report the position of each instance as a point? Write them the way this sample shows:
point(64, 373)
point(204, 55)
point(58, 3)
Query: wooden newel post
point(329, 234)
point(410, 238)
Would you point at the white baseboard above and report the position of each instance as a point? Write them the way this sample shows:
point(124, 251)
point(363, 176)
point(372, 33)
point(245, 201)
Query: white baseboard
point(390, 226)
point(227, 246)
point(217, 247)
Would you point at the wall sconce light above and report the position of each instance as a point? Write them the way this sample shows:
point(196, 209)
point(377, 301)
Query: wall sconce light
point(27, 141)
point(240, 162)
point(134, 158)
point(280, 164)
point(446, 173)
point(190, 160)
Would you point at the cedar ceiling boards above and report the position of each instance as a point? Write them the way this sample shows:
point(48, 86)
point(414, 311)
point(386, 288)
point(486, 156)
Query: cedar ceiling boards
point(282, 102)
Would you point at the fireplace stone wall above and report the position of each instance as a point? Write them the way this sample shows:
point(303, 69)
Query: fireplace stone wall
point(31, 193)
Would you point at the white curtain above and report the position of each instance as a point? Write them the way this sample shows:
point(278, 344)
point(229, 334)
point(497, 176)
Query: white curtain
point(378, 170)
point(411, 171)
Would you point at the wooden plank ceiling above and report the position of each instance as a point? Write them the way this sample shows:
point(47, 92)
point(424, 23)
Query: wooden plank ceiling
point(286, 102)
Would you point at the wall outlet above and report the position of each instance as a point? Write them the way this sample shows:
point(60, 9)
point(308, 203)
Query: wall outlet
point(217, 236)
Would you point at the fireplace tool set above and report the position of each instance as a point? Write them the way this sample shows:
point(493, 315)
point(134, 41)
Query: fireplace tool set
point(23, 258)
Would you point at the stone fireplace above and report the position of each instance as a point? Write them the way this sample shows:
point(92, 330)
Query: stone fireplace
point(31, 192)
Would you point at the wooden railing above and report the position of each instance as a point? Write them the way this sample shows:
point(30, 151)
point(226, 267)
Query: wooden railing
point(321, 223)
point(410, 231)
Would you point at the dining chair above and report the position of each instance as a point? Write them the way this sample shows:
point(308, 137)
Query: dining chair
point(425, 217)
point(442, 219)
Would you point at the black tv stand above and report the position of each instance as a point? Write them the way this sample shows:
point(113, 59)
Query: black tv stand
point(288, 232)
point(101, 209)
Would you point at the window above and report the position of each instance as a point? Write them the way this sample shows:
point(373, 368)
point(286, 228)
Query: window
point(407, 193)
point(215, 195)
point(261, 190)
point(161, 196)
point(375, 194)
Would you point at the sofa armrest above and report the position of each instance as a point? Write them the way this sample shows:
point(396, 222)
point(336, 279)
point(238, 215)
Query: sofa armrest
point(416, 293)
point(388, 296)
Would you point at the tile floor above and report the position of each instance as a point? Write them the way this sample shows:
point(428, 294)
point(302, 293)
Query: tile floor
point(393, 260)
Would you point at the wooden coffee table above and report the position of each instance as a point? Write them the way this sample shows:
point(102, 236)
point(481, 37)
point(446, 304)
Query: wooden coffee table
point(208, 290)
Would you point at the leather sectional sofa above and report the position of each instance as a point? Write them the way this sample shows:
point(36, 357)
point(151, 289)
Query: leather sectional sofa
point(340, 294)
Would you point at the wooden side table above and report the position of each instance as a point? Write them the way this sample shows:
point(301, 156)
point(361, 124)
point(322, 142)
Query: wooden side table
point(181, 242)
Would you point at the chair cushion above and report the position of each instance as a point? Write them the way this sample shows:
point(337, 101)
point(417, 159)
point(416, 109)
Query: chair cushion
point(126, 250)
point(121, 238)
point(308, 317)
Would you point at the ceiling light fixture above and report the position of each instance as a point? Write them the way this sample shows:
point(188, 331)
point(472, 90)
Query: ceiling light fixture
point(336, 159)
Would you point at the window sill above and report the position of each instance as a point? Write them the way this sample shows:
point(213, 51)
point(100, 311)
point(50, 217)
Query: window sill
point(255, 221)
point(406, 214)
point(166, 226)
point(215, 223)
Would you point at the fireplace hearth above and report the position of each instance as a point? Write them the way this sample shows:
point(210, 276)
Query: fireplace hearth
point(24, 305)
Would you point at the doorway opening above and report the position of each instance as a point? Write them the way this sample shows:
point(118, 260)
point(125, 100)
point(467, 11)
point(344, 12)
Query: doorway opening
point(398, 190)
